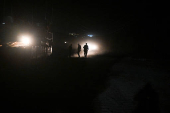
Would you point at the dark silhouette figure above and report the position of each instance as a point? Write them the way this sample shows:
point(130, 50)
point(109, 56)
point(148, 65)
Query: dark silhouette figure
point(86, 48)
point(70, 50)
point(148, 100)
point(79, 49)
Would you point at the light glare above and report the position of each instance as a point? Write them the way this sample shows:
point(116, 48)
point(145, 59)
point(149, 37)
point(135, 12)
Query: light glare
point(25, 40)
point(94, 47)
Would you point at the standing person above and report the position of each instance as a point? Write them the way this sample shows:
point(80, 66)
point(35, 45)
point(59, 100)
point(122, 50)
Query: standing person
point(86, 48)
point(70, 50)
point(79, 49)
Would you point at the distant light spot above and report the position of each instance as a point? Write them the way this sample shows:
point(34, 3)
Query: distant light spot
point(90, 35)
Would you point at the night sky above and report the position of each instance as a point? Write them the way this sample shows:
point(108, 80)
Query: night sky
point(144, 23)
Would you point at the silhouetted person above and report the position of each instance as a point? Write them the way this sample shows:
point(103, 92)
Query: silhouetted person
point(79, 49)
point(70, 50)
point(86, 48)
point(148, 100)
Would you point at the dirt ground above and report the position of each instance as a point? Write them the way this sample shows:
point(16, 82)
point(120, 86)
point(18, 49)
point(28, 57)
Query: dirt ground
point(51, 84)
point(57, 84)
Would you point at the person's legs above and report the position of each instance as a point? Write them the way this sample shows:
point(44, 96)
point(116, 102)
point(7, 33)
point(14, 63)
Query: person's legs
point(79, 54)
point(85, 53)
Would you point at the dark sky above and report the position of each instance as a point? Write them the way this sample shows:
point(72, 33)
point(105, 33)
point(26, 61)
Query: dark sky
point(146, 21)
point(92, 15)
point(88, 15)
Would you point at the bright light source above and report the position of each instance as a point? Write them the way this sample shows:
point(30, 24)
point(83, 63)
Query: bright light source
point(90, 35)
point(65, 42)
point(25, 40)
point(94, 47)
point(3, 23)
